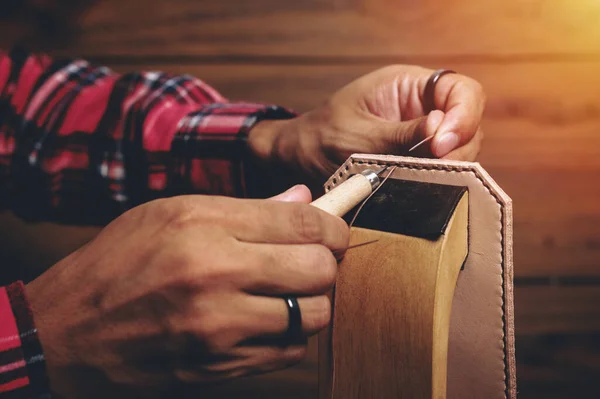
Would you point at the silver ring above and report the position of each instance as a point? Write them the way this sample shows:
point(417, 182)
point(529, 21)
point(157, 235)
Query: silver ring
point(429, 93)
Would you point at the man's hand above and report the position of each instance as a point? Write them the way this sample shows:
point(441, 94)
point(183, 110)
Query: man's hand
point(382, 113)
point(186, 291)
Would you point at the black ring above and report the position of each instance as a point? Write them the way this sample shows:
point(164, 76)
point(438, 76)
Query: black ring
point(429, 94)
point(294, 331)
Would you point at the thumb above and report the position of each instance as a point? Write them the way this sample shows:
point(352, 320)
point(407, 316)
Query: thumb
point(299, 193)
point(403, 136)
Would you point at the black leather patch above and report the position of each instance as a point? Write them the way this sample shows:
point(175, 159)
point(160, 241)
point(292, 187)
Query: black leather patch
point(410, 208)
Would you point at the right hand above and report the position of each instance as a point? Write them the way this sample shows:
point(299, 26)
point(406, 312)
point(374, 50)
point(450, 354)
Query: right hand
point(186, 291)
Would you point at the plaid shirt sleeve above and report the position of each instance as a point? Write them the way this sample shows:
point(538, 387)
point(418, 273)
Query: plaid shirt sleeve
point(22, 367)
point(81, 144)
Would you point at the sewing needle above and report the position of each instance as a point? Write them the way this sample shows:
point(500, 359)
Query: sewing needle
point(420, 143)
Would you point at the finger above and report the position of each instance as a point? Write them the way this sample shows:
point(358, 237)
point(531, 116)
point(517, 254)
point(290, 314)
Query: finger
point(285, 223)
point(246, 360)
point(398, 137)
point(289, 269)
point(434, 120)
point(469, 151)
point(401, 137)
point(463, 101)
point(227, 319)
point(299, 193)
point(268, 317)
point(423, 147)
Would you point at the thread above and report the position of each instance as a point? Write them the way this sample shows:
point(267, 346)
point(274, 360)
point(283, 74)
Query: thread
point(370, 195)
point(340, 251)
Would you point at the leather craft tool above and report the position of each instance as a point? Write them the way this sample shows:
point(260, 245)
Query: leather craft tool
point(350, 193)
point(359, 188)
point(420, 143)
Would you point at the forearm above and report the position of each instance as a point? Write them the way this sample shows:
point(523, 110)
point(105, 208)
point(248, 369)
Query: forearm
point(82, 144)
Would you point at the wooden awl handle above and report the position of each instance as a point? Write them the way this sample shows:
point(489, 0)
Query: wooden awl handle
point(347, 195)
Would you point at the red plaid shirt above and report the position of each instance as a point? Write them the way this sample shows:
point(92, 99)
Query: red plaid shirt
point(82, 144)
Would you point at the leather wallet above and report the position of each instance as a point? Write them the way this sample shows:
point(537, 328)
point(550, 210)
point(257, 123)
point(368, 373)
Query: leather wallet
point(481, 352)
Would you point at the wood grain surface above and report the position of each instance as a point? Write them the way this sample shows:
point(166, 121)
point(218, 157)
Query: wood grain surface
point(340, 28)
point(538, 61)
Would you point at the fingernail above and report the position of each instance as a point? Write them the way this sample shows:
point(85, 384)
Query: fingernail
point(286, 195)
point(289, 190)
point(289, 193)
point(446, 143)
point(293, 194)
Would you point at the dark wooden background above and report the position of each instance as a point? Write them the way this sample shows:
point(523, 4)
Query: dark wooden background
point(539, 61)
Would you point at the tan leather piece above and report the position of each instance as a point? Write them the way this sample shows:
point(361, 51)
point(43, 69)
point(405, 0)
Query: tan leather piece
point(481, 353)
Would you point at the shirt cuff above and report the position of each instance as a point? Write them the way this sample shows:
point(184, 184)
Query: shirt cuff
point(210, 152)
point(22, 365)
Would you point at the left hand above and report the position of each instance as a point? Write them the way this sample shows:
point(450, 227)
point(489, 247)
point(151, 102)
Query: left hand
point(383, 113)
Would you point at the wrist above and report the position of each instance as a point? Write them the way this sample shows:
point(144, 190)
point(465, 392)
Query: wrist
point(51, 320)
point(264, 137)
point(272, 166)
